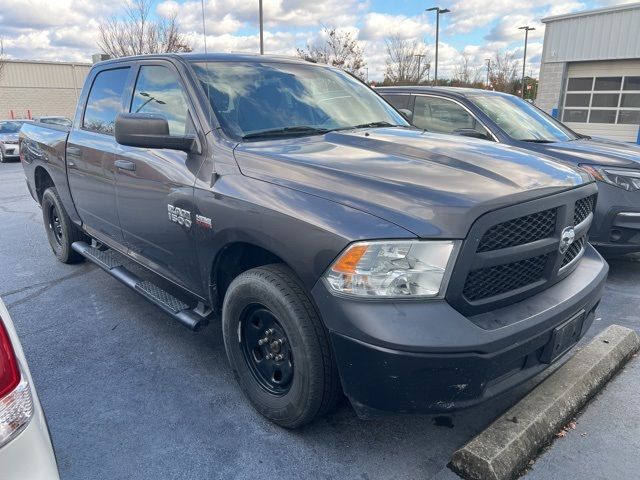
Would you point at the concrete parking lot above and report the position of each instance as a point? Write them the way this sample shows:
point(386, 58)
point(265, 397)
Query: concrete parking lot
point(131, 394)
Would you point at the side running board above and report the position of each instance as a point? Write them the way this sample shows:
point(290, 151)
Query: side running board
point(193, 318)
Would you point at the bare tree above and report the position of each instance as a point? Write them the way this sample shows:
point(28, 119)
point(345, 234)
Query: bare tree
point(137, 33)
point(407, 61)
point(504, 72)
point(466, 75)
point(339, 49)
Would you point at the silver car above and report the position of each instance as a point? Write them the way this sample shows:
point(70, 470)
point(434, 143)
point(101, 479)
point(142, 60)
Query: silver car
point(25, 447)
point(9, 130)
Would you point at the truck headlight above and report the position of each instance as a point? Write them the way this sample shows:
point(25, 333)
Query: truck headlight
point(620, 177)
point(393, 269)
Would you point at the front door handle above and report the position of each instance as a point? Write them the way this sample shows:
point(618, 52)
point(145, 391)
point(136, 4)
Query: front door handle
point(126, 165)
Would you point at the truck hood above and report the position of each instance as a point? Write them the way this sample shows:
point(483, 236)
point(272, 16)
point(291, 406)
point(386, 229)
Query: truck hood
point(432, 185)
point(596, 151)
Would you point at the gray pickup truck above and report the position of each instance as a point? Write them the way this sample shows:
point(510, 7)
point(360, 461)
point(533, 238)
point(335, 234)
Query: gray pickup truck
point(342, 249)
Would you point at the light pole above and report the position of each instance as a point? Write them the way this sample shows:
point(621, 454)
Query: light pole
point(366, 69)
point(150, 98)
point(419, 56)
point(261, 29)
point(438, 11)
point(526, 29)
point(488, 60)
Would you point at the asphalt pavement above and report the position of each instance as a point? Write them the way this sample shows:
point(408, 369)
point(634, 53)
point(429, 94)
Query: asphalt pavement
point(130, 394)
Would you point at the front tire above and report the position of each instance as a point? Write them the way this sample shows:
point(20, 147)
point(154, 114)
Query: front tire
point(61, 231)
point(278, 348)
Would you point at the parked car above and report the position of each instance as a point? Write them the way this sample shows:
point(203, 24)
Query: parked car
point(61, 121)
point(9, 149)
point(25, 445)
point(507, 119)
point(341, 246)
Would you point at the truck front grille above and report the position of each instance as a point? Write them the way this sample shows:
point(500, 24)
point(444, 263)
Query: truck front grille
point(488, 282)
point(514, 252)
point(574, 250)
point(519, 231)
point(583, 208)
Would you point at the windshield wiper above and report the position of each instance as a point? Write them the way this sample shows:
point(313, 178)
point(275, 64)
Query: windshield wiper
point(285, 131)
point(537, 140)
point(373, 125)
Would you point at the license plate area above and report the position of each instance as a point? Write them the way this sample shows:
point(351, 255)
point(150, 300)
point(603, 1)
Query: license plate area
point(563, 338)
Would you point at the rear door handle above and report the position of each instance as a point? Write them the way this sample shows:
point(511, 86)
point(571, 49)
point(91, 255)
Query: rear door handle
point(126, 165)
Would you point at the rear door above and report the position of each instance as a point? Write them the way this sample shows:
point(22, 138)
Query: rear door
point(155, 186)
point(90, 154)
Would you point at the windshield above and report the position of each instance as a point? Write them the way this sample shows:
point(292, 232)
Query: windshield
point(250, 98)
point(10, 127)
point(521, 120)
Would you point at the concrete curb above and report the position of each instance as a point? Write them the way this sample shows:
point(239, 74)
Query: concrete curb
point(505, 447)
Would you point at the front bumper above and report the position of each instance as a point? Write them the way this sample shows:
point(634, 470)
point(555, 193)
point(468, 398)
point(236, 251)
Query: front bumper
point(425, 357)
point(10, 150)
point(616, 223)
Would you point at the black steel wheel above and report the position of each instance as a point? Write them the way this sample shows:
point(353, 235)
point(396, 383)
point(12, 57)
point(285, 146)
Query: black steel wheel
point(266, 349)
point(55, 225)
point(61, 231)
point(277, 346)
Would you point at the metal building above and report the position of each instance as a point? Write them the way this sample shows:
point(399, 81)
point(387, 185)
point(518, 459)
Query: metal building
point(590, 71)
point(35, 88)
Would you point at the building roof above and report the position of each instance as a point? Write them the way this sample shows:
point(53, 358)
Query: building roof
point(596, 11)
point(595, 35)
point(46, 62)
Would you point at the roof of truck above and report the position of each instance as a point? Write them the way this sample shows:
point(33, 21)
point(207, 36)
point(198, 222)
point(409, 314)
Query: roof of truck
point(213, 57)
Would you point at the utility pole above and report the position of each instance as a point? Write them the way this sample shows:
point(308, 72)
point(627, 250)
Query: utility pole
point(261, 29)
point(438, 11)
point(488, 60)
point(419, 56)
point(526, 29)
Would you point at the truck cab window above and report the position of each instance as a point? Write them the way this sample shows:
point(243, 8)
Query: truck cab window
point(158, 90)
point(105, 100)
point(440, 115)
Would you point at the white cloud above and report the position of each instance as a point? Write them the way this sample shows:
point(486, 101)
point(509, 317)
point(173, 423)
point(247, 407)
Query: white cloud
point(67, 29)
point(377, 26)
point(507, 30)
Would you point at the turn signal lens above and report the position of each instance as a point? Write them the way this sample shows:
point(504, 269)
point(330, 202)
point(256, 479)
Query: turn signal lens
point(396, 269)
point(16, 404)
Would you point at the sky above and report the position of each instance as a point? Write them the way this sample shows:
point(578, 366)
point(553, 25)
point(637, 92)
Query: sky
point(66, 30)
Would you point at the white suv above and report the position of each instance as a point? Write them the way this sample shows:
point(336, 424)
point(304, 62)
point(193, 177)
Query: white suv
point(25, 446)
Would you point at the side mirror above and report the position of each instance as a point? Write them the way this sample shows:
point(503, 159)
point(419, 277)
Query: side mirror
point(148, 130)
point(470, 132)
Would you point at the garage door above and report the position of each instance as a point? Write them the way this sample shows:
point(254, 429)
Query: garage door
point(603, 99)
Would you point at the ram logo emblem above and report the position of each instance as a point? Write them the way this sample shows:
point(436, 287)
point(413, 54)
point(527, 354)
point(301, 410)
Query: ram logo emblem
point(567, 237)
point(179, 215)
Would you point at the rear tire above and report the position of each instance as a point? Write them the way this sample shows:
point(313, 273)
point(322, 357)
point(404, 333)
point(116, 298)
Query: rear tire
point(301, 382)
point(61, 231)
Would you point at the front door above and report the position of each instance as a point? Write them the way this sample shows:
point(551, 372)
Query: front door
point(155, 186)
point(91, 152)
